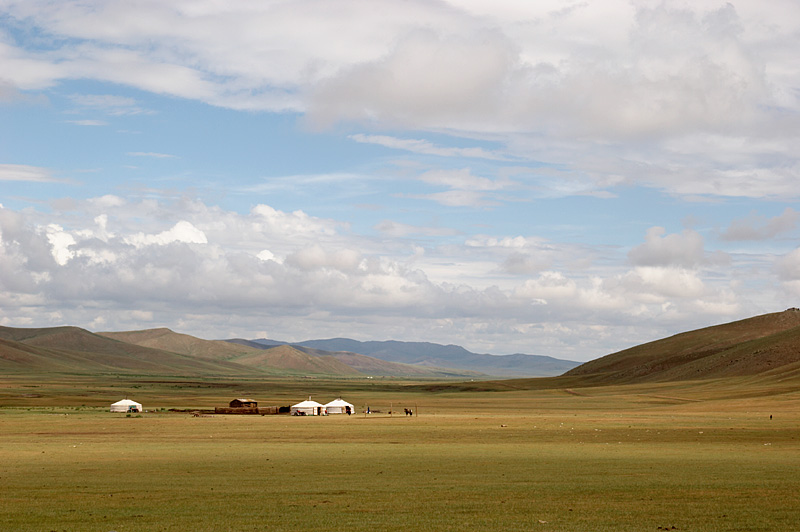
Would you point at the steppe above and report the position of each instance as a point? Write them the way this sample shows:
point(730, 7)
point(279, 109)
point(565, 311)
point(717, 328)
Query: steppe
point(532, 454)
point(696, 432)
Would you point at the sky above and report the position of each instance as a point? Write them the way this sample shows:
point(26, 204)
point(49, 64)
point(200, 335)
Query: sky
point(556, 177)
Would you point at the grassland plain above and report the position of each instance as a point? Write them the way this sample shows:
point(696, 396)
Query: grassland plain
point(511, 456)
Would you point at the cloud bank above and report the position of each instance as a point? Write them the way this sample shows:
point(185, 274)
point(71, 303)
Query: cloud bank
point(301, 276)
point(489, 127)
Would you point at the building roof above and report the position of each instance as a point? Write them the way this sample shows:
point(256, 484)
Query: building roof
point(339, 402)
point(126, 402)
point(307, 404)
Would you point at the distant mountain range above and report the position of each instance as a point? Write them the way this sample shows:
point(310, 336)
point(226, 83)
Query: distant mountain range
point(165, 352)
point(766, 347)
point(425, 354)
point(280, 358)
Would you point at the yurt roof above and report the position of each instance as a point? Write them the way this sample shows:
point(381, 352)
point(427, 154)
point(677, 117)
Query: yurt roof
point(126, 402)
point(338, 402)
point(307, 404)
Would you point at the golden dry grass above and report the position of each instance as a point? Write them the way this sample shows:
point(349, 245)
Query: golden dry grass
point(694, 456)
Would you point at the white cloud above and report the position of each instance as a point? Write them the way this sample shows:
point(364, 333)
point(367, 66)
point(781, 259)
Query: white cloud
point(23, 172)
point(466, 189)
point(107, 202)
point(685, 249)
point(266, 254)
point(664, 283)
point(526, 263)
point(427, 80)
point(110, 104)
point(550, 287)
point(460, 179)
point(397, 229)
point(142, 315)
point(61, 243)
point(90, 123)
point(315, 258)
point(424, 147)
point(182, 231)
point(9, 92)
point(666, 95)
point(693, 99)
point(295, 224)
point(181, 262)
point(788, 267)
point(756, 227)
point(457, 198)
point(517, 242)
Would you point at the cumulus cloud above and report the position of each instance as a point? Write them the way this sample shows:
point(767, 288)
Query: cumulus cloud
point(661, 284)
point(295, 224)
point(788, 266)
point(429, 65)
point(685, 249)
point(697, 100)
point(526, 263)
point(182, 231)
point(756, 227)
point(657, 84)
point(315, 258)
point(428, 79)
point(667, 95)
point(212, 272)
point(517, 255)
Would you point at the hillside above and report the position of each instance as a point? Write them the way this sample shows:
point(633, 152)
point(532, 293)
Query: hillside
point(376, 366)
point(76, 350)
point(275, 359)
point(168, 340)
point(292, 360)
point(766, 344)
point(426, 354)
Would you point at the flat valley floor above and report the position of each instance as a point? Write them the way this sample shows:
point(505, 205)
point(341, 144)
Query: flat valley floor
point(692, 457)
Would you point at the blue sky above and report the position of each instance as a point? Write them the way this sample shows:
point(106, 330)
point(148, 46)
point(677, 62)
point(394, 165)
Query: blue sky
point(556, 177)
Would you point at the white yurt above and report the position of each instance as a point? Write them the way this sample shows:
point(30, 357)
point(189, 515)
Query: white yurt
point(340, 406)
point(126, 405)
point(307, 408)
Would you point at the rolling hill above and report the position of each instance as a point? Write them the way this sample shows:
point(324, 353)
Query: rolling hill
point(76, 350)
point(762, 345)
point(426, 354)
point(164, 352)
point(284, 359)
point(766, 346)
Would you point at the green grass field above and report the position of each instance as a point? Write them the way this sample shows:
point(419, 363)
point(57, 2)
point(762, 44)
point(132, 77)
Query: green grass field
point(661, 457)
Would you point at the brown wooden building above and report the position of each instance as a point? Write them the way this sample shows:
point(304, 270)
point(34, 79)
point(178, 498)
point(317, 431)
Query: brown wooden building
point(243, 403)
